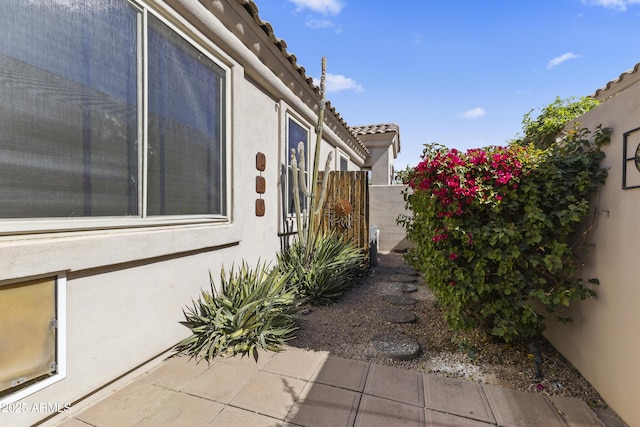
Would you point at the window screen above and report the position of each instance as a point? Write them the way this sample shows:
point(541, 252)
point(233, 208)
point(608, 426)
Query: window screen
point(68, 109)
point(71, 119)
point(344, 163)
point(186, 158)
point(295, 135)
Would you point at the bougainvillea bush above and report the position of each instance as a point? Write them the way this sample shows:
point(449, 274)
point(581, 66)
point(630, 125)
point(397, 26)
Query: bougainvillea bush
point(496, 231)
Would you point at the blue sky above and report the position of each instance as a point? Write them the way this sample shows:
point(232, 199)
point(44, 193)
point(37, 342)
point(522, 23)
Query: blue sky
point(462, 73)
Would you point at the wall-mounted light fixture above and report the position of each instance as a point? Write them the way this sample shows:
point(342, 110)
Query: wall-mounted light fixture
point(631, 158)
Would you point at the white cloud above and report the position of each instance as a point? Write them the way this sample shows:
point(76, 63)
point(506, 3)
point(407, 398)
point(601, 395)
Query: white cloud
point(322, 24)
point(560, 59)
point(327, 7)
point(474, 113)
point(619, 5)
point(338, 83)
point(317, 24)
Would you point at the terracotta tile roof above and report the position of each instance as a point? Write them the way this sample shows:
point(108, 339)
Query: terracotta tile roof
point(378, 129)
point(373, 129)
point(252, 8)
point(625, 80)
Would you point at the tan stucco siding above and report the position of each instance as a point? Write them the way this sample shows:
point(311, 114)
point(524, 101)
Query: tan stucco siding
point(603, 342)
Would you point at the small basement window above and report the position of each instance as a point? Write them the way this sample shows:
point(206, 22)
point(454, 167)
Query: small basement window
point(32, 335)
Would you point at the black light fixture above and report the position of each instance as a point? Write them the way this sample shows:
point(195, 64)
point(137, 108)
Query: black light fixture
point(627, 157)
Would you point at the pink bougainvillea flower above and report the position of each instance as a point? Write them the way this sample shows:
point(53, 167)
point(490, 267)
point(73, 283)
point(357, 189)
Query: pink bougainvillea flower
point(453, 256)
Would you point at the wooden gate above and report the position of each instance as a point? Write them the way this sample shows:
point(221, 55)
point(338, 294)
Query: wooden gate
point(346, 209)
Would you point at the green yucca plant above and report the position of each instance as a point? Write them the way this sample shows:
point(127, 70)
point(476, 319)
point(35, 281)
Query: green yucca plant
point(323, 273)
point(254, 308)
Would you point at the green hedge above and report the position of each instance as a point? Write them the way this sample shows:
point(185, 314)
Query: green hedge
point(495, 229)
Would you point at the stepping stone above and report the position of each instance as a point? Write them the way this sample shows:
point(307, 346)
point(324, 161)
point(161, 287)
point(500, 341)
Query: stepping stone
point(402, 287)
point(403, 278)
point(399, 299)
point(406, 287)
point(395, 315)
point(407, 271)
point(396, 346)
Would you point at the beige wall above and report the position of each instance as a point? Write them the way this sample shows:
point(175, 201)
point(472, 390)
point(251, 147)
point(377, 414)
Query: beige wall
point(389, 204)
point(126, 287)
point(383, 147)
point(603, 342)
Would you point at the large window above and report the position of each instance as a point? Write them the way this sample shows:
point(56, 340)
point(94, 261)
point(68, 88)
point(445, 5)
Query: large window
point(186, 154)
point(84, 132)
point(296, 134)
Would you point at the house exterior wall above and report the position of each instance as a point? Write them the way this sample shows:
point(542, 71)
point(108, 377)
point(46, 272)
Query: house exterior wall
point(383, 147)
point(603, 342)
point(389, 204)
point(126, 287)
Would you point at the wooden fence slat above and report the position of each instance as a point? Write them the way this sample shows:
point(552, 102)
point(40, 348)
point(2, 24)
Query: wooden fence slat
point(350, 187)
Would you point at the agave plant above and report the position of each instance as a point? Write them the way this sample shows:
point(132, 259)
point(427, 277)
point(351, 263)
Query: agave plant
point(254, 308)
point(322, 274)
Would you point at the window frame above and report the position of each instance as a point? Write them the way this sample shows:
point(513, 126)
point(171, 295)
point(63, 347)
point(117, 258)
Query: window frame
point(340, 156)
point(18, 226)
point(289, 117)
point(61, 338)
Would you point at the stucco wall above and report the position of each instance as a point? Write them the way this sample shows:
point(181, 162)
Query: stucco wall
point(387, 204)
point(603, 341)
point(380, 165)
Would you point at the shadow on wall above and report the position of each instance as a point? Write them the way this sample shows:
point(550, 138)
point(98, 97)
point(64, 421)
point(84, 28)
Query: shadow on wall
point(402, 246)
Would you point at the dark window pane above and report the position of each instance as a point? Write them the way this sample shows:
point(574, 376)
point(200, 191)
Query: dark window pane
point(68, 109)
point(295, 135)
point(186, 158)
point(344, 163)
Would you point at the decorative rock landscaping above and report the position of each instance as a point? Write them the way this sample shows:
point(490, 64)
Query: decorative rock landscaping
point(398, 346)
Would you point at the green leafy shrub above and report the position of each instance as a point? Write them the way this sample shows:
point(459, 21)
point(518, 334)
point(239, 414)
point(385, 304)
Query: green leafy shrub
point(323, 272)
point(254, 308)
point(542, 130)
point(495, 229)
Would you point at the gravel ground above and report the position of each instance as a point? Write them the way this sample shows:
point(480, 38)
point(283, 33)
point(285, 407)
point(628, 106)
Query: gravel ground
point(345, 329)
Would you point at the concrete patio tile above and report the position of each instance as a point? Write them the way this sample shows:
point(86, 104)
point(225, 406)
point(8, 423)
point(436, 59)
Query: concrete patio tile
point(127, 406)
point(296, 363)
point(263, 358)
point(72, 422)
point(221, 382)
point(322, 405)
point(184, 410)
point(395, 384)
point(439, 419)
point(343, 373)
point(576, 412)
point(175, 373)
point(377, 412)
point(269, 394)
point(514, 408)
point(458, 397)
point(235, 417)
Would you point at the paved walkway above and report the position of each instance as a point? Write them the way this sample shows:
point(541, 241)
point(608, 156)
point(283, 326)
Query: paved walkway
point(305, 388)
